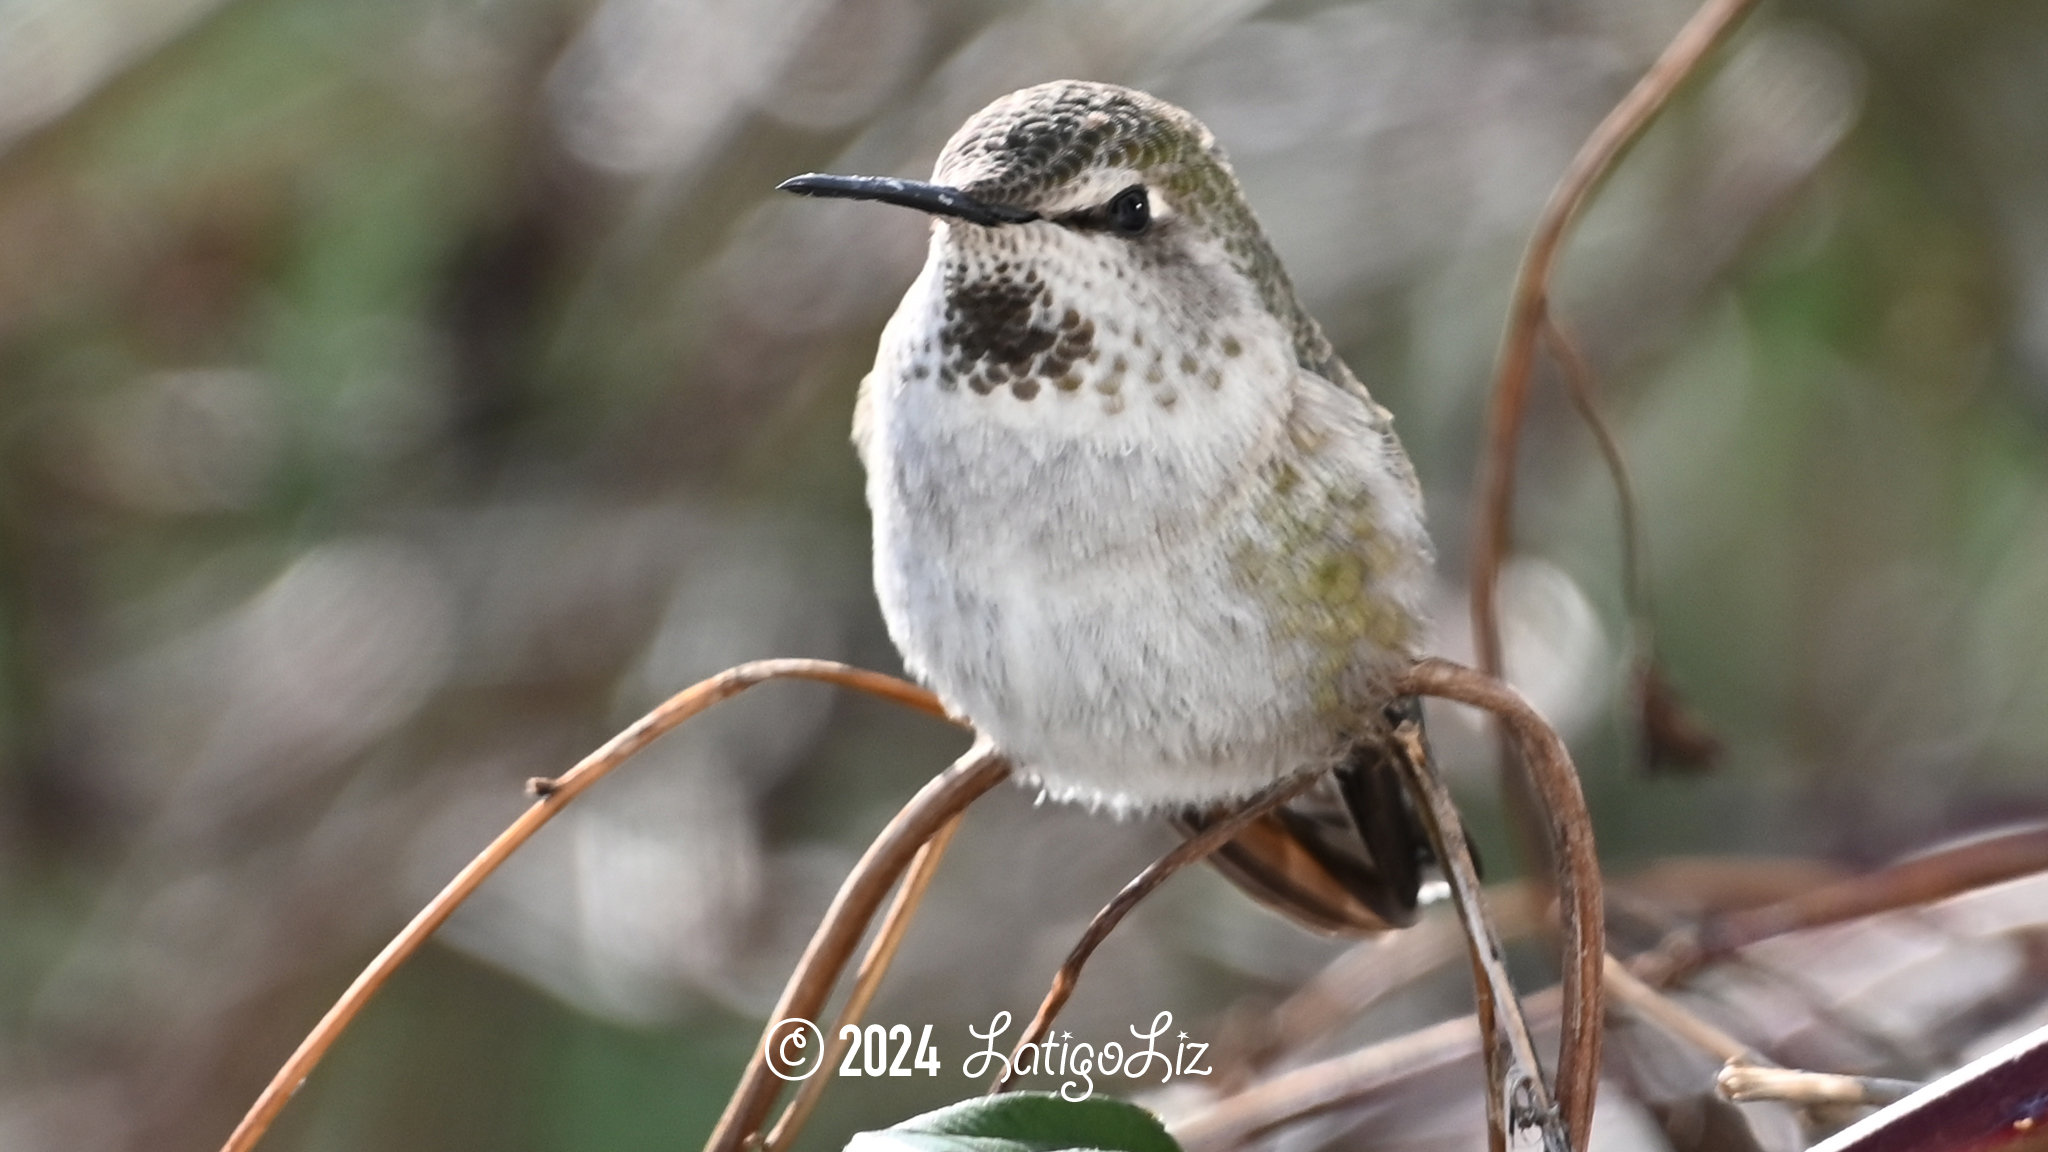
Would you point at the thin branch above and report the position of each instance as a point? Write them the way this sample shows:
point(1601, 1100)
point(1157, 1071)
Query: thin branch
point(1360, 977)
point(1928, 877)
point(1364, 975)
point(895, 924)
point(1301, 1093)
point(1578, 381)
point(2000, 1089)
point(553, 795)
point(1677, 1019)
point(1371, 970)
point(1494, 1057)
point(1331, 1084)
point(1183, 854)
point(1531, 300)
point(1921, 880)
point(1744, 1083)
point(1670, 733)
point(1493, 992)
point(1747, 1075)
point(1258, 1033)
point(1494, 526)
point(1570, 834)
point(979, 769)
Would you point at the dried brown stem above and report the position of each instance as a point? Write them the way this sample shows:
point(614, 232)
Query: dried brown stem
point(1531, 302)
point(1372, 969)
point(1670, 734)
point(1744, 1083)
point(1570, 835)
point(1246, 1115)
point(553, 795)
point(1183, 854)
point(979, 769)
point(1493, 527)
point(1923, 879)
point(1928, 877)
point(1362, 976)
point(1676, 1018)
point(1746, 1074)
point(1334, 1083)
point(1578, 381)
point(1493, 993)
point(866, 979)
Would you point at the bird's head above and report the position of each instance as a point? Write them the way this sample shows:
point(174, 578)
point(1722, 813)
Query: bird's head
point(1096, 199)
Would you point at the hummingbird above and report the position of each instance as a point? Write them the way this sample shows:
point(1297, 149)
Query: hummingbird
point(1133, 517)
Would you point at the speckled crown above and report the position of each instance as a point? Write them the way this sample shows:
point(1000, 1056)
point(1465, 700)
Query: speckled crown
point(1035, 139)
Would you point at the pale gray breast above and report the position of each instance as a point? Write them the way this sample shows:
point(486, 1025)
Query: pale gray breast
point(1016, 423)
point(1075, 513)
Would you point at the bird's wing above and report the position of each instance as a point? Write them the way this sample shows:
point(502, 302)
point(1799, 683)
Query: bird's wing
point(1345, 858)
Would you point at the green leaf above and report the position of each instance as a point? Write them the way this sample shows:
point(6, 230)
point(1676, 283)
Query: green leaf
point(1024, 1122)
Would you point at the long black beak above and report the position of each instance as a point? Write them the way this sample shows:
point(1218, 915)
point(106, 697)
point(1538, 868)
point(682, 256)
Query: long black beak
point(936, 199)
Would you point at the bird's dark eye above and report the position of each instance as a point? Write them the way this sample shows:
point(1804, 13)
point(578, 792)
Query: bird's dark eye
point(1130, 212)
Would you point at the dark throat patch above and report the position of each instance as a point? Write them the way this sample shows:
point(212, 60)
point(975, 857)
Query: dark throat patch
point(1003, 330)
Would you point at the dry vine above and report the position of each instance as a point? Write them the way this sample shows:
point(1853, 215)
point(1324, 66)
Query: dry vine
point(1569, 834)
point(1186, 853)
point(1527, 316)
point(552, 796)
point(873, 965)
point(978, 770)
point(1315, 1089)
point(1927, 877)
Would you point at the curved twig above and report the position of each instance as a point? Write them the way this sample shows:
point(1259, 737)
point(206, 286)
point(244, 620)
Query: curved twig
point(1321, 1087)
point(1923, 879)
point(1493, 527)
point(1183, 854)
point(1669, 733)
point(1531, 300)
point(979, 769)
point(1570, 834)
point(1578, 382)
point(866, 979)
point(553, 794)
point(1513, 1062)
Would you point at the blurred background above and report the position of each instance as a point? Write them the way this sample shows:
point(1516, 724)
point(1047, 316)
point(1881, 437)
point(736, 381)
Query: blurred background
point(398, 398)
